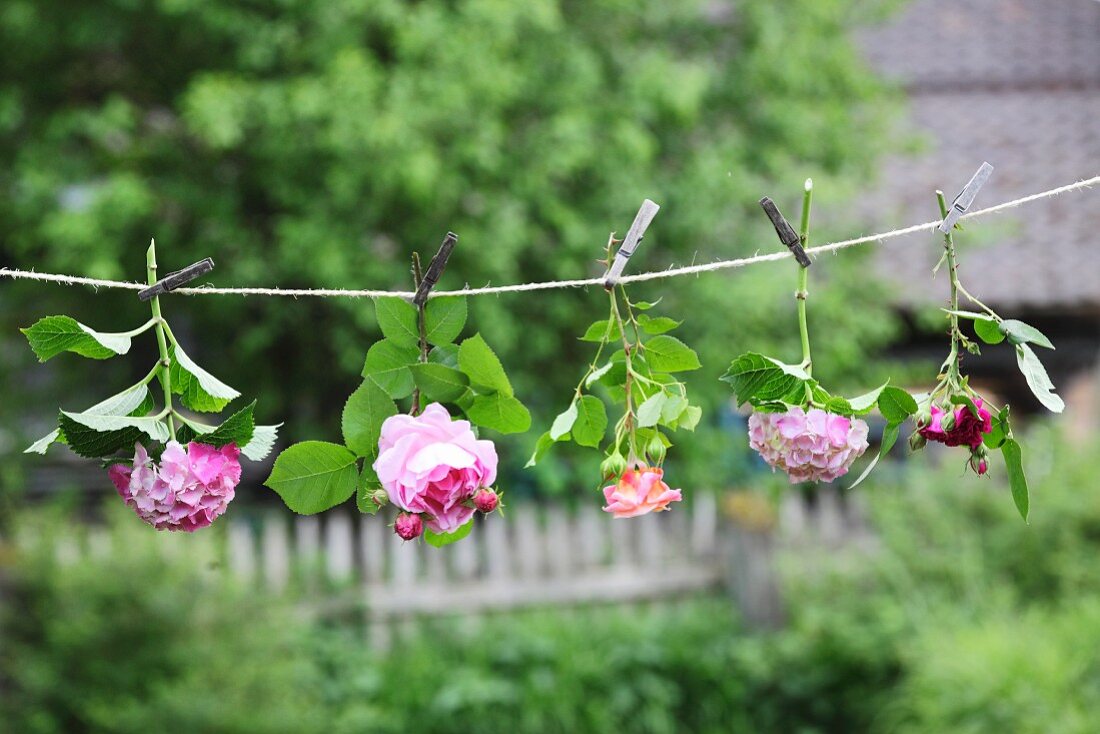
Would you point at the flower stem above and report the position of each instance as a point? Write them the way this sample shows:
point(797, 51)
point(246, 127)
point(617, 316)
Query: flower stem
point(952, 362)
point(802, 294)
point(162, 341)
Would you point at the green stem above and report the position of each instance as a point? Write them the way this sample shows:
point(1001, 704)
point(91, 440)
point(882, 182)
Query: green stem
point(803, 280)
point(162, 341)
point(139, 330)
point(953, 272)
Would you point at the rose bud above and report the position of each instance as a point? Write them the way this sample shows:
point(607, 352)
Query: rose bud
point(380, 497)
point(917, 441)
point(408, 526)
point(613, 465)
point(486, 500)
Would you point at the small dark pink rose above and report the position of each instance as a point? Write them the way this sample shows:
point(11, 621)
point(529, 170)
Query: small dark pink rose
point(486, 500)
point(408, 526)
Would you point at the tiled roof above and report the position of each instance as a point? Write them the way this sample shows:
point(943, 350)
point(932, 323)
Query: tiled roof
point(1030, 105)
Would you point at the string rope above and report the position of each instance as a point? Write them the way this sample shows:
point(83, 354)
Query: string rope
point(553, 284)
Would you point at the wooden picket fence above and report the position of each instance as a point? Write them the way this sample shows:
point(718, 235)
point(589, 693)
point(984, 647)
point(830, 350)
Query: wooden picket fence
point(541, 555)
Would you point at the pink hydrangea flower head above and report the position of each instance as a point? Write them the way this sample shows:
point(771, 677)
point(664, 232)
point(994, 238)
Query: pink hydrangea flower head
point(967, 430)
point(639, 491)
point(408, 526)
point(813, 446)
point(431, 464)
point(189, 489)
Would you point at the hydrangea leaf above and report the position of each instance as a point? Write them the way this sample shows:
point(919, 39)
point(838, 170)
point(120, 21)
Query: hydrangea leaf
point(92, 436)
point(866, 402)
point(263, 440)
point(760, 379)
point(198, 389)
point(314, 476)
point(134, 400)
point(53, 335)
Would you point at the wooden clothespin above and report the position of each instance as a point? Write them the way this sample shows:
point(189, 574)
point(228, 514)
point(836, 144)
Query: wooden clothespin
point(786, 232)
point(435, 269)
point(965, 198)
point(630, 243)
point(176, 279)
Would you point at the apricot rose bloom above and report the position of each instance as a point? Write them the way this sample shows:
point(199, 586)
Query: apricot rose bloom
point(639, 491)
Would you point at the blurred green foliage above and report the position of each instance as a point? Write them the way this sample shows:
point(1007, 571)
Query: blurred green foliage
point(958, 618)
point(319, 142)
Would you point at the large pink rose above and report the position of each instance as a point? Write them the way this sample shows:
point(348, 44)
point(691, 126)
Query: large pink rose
point(639, 491)
point(431, 464)
point(188, 490)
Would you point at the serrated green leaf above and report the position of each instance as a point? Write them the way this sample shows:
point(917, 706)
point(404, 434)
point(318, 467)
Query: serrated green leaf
point(757, 378)
point(263, 440)
point(387, 364)
point(674, 407)
point(482, 366)
point(591, 422)
point(440, 383)
point(603, 330)
point(40, 446)
point(644, 305)
point(1017, 480)
point(444, 354)
point(314, 476)
point(237, 428)
point(500, 412)
point(658, 325)
point(53, 335)
point(198, 389)
point(649, 412)
point(989, 331)
point(1037, 379)
point(368, 485)
point(690, 417)
point(398, 321)
point(93, 436)
point(896, 405)
point(438, 540)
point(865, 402)
point(541, 447)
point(361, 422)
point(129, 402)
point(1018, 332)
point(444, 318)
point(668, 354)
point(564, 422)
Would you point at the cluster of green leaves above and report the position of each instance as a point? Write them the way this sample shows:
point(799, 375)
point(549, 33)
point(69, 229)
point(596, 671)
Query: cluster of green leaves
point(114, 425)
point(639, 375)
point(425, 364)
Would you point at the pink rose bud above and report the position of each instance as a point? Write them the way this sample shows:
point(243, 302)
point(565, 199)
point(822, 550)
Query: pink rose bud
point(188, 490)
point(983, 467)
point(639, 491)
point(486, 500)
point(431, 464)
point(408, 526)
point(813, 446)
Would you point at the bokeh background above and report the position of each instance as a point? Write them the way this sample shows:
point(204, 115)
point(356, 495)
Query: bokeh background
point(310, 143)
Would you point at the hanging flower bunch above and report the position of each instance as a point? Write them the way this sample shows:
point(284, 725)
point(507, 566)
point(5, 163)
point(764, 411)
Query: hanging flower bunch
point(634, 366)
point(184, 471)
point(796, 425)
point(427, 459)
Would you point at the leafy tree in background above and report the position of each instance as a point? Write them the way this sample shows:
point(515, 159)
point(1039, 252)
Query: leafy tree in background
point(319, 142)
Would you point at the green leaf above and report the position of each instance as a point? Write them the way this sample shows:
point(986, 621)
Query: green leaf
point(758, 378)
point(237, 428)
point(965, 400)
point(198, 389)
point(541, 447)
point(644, 305)
point(972, 315)
point(669, 354)
point(591, 422)
point(438, 540)
point(604, 330)
point(674, 407)
point(398, 320)
point(564, 422)
point(1014, 462)
point(263, 440)
point(690, 418)
point(597, 373)
point(92, 436)
point(649, 412)
point(368, 485)
point(1037, 379)
point(658, 325)
point(444, 354)
point(502, 413)
point(999, 431)
point(387, 364)
point(314, 476)
point(889, 438)
point(125, 403)
point(440, 383)
point(53, 335)
point(896, 405)
point(444, 318)
point(1018, 332)
point(838, 406)
point(989, 331)
point(478, 361)
point(361, 422)
point(865, 402)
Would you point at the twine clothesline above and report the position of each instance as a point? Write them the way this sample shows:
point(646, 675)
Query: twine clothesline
point(553, 284)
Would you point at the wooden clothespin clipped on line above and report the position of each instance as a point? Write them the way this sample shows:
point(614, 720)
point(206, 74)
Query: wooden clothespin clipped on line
point(965, 198)
point(435, 270)
point(176, 279)
point(786, 232)
point(630, 243)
